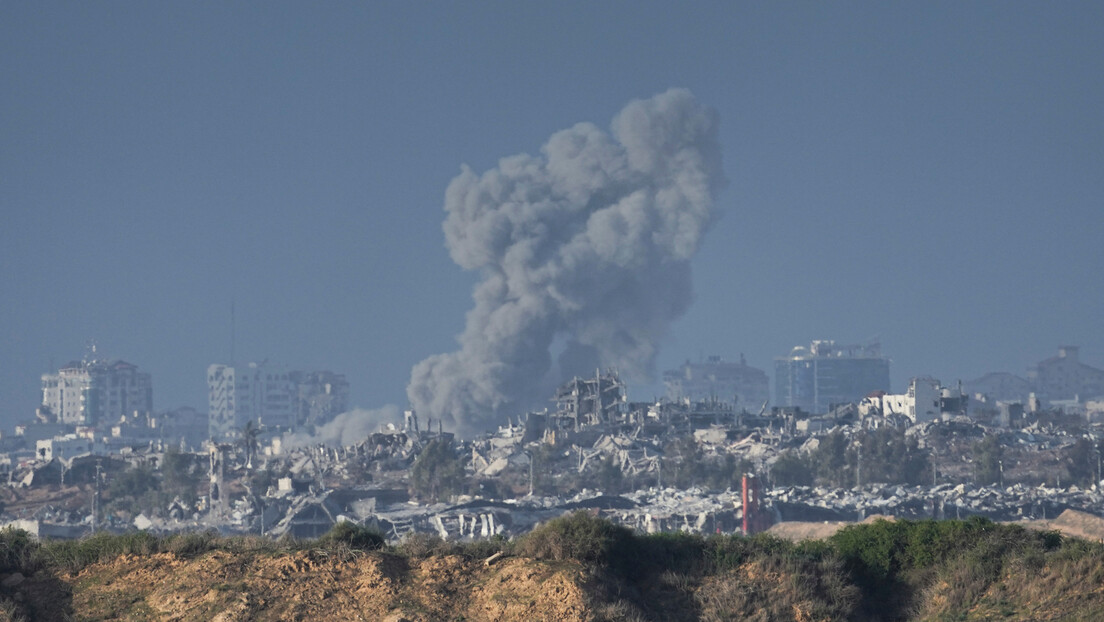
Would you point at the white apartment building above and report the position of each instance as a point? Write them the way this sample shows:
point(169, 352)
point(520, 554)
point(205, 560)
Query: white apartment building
point(64, 447)
point(926, 400)
point(258, 392)
point(95, 392)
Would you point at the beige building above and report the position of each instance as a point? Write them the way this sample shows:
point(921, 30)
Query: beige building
point(258, 392)
point(1064, 377)
point(272, 397)
point(95, 393)
point(64, 447)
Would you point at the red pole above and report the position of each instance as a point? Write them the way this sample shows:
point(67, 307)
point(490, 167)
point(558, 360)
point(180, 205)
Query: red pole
point(752, 521)
point(747, 506)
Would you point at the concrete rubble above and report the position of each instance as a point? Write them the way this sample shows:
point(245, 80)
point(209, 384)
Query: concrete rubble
point(592, 432)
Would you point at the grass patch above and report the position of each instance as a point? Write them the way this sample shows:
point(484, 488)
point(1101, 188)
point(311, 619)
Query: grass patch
point(354, 536)
point(580, 537)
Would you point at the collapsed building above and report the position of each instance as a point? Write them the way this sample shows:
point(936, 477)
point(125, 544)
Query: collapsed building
point(593, 426)
point(593, 450)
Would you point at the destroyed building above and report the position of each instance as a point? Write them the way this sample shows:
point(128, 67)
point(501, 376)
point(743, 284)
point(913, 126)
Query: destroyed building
point(663, 465)
point(591, 401)
point(321, 396)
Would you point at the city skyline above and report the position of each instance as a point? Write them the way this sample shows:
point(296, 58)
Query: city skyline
point(311, 398)
point(927, 175)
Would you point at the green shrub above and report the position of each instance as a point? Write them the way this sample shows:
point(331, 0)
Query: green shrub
point(1075, 549)
point(253, 543)
point(74, 555)
point(677, 552)
point(579, 537)
point(792, 469)
point(17, 550)
point(354, 536)
point(418, 545)
point(482, 549)
point(191, 543)
point(724, 553)
point(437, 472)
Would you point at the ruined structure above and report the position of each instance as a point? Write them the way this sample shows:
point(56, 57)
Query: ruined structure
point(588, 401)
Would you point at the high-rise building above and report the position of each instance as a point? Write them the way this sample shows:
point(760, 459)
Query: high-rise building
point(271, 397)
point(258, 392)
point(95, 392)
point(715, 378)
point(825, 374)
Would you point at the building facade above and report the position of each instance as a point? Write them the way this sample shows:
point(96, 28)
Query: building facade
point(257, 392)
point(999, 387)
point(64, 447)
point(747, 387)
point(1065, 377)
point(271, 397)
point(925, 400)
point(826, 374)
point(184, 427)
point(95, 393)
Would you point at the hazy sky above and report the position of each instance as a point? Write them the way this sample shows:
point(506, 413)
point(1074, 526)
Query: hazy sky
point(930, 173)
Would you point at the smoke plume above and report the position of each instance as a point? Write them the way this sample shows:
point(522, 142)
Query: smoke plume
point(348, 428)
point(584, 249)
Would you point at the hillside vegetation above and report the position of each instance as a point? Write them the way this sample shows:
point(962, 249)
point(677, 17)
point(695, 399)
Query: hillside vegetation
point(573, 568)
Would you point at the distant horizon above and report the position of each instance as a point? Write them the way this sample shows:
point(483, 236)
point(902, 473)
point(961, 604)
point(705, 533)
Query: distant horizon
point(897, 386)
point(343, 189)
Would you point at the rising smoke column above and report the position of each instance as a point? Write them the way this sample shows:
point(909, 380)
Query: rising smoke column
point(586, 246)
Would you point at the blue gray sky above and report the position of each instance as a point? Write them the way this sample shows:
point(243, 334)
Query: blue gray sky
point(927, 173)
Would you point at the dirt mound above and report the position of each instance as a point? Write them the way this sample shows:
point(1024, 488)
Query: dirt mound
point(308, 585)
point(1072, 523)
point(1080, 524)
point(224, 586)
point(797, 531)
point(986, 571)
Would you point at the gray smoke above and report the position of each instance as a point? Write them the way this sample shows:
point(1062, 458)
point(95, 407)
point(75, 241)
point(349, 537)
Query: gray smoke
point(348, 428)
point(584, 249)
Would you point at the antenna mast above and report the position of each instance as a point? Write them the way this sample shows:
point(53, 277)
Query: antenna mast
point(96, 496)
point(233, 332)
